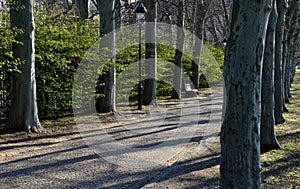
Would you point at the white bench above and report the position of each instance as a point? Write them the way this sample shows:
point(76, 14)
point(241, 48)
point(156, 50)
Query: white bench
point(189, 92)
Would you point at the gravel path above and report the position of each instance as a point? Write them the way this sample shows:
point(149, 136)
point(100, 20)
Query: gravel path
point(154, 150)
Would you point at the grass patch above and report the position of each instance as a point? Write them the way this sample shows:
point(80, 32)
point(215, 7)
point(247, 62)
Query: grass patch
point(283, 170)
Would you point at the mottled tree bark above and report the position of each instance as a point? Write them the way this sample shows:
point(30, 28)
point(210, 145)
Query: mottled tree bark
point(278, 80)
point(240, 143)
point(268, 139)
point(291, 17)
point(23, 114)
point(149, 94)
point(107, 25)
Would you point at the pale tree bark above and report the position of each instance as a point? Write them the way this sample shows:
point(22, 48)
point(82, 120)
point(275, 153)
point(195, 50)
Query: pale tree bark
point(278, 80)
point(210, 25)
point(226, 16)
point(107, 25)
point(23, 114)
point(268, 139)
point(82, 9)
point(240, 143)
point(177, 78)
point(200, 13)
point(149, 94)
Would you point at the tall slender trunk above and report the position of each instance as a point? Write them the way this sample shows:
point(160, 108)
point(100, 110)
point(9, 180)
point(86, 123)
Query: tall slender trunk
point(200, 13)
point(177, 78)
point(226, 16)
point(289, 15)
point(23, 114)
point(278, 80)
point(107, 25)
point(149, 94)
point(268, 139)
point(240, 143)
point(292, 16)
point(284, 69)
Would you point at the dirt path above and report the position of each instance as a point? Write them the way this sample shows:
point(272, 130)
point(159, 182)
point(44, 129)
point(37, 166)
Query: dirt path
point(72, 159)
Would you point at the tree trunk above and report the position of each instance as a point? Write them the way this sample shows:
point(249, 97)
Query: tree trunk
point(278, 80)
point(288, 16)
point(240, 143)
point(82, 9)
point(149, 94)
point(291, 18)
point(177, 78)
point(107, 25)
point(118, 15)
point(200, 13)
point(226, 16)
point(291, 39)
point(268, 139)
point(24, 113)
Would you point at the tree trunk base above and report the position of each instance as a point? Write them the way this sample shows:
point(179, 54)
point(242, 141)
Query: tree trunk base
point(35, 129)
point(279, 121)
point(264, 148)
point(175, 95)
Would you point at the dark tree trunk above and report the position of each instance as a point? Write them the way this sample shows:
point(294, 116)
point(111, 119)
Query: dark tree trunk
point(278, 80)
point(149, 94)
point(82, 9)
point(200, 13)
point(268, 139)
point(291, 17)
point(107, 25)
point(177, 78)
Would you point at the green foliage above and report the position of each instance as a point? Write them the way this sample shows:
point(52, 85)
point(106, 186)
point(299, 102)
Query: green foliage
point(218, 54)
point(7, 36)
point(212, 61)
point(211, 66)
point(60, 44)
point(8, 64)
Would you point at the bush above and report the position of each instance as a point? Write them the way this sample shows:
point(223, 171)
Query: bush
point(60, 44)
point(8, 64)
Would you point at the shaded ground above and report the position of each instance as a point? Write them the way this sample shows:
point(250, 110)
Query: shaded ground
point(61, 159)
point(282, 167)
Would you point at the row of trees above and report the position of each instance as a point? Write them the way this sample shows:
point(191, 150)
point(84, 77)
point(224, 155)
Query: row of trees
point(261, 38)
point(55, 60)
point(259, 67)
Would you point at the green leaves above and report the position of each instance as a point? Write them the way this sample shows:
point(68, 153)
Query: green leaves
point(60, 44)
point(8, 64)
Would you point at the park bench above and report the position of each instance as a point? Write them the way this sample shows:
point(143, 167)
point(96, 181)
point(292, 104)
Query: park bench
point(189, 92)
